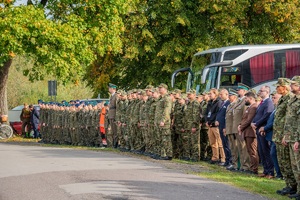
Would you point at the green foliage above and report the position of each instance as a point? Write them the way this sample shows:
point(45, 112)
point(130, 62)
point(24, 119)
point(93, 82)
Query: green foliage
point(21, 90)
point(56, 48)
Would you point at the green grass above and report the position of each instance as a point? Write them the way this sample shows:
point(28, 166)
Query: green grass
point(262, 186)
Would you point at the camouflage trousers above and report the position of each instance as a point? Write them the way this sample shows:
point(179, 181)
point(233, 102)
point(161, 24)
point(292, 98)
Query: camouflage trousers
point(157, 140)
point(185, 145)
point(123, 137)
point(145, 138)
point(195, 145)
point(138, 144)
point(295, 163)
point(151, 137)
point(166, 142)
point(177, 142)
point(205, 149)
point(284, 161)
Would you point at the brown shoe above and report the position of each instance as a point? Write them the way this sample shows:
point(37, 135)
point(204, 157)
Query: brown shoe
point(261, 175)
point(269, 176)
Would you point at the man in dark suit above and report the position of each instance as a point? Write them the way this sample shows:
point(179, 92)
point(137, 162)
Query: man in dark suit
point(220, 121)
point(112, 113)
point(248, 132)
point(264, 110)
point(268, 132)
point(34, 120)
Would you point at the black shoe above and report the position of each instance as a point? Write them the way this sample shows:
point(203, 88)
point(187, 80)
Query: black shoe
point(213, 162)
point(165, 158)
point(294, 196)
point(230, 167)
point(286, 190)
point(222, 164)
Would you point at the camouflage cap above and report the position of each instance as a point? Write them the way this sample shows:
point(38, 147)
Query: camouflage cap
point(149, 87)
point(162, 85)
point(154, 90)
point(119, 91)
point(296, 80)
point(134, 91)
point(232, 92)
point(283, 82)
point(123, 93)
point(143, 93)
point(183, 96)
point(243, 86)
point(192, 91)
point(176, 91)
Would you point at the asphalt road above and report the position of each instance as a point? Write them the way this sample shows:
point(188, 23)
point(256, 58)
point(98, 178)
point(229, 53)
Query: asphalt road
point(47, 173)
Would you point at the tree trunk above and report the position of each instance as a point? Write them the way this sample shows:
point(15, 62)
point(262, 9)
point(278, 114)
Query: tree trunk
point(3, 90)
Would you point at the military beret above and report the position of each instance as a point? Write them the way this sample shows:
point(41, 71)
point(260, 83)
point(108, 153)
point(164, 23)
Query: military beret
point(111, 85)
point(192, 91)
point(283, 82)
point(242, 86)
point(296, 80)
point(162, 85)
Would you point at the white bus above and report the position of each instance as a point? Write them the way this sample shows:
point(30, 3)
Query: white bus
point(252, 65)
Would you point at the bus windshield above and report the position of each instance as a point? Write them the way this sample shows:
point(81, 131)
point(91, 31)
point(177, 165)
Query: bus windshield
point(198, 63)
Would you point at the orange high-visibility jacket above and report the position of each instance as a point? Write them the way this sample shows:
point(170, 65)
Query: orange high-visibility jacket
point(102, 120)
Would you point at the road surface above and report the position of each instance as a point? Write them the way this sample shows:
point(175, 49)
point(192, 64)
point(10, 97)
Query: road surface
point(48, 173)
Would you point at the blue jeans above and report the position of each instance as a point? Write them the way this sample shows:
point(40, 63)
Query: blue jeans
point(273, 154)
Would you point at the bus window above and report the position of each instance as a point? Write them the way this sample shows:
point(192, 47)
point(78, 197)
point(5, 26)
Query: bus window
point(233, 54)
point(292, 61)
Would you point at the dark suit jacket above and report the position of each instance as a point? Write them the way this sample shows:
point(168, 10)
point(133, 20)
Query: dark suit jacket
point(112, 107)
point(222, 115)
point(263, 112)
point(212, 111)
point(247, 118)
point(35, 116)
point(269, 127)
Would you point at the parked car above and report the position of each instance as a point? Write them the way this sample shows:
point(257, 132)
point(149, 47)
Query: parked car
point(14, 118)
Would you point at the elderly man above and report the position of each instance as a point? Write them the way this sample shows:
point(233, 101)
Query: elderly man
point(264, 110)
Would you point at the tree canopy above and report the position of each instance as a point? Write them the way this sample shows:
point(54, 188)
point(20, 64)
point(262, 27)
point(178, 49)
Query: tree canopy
point(133, 43)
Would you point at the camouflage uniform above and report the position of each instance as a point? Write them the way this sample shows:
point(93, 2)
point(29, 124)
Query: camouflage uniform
point(179, 111)
point(152, 127)
point(191, 141)
point(143, 125)
point(163, 110)
point(283, 152)
point(292, 135)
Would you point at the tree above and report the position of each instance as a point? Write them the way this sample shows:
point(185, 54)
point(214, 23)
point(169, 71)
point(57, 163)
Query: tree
point(55, 47)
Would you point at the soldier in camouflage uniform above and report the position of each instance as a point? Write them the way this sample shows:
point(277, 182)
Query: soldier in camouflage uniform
point(205, 152)
point(142, 121)
point(179, 123)
point(175, 95)
point(191, 145)
point(153, 128)
point(147, 106)
point(119, 105)
point(283, 154)
point(128, 120)
point(121, 120)
point(164, 107)
point(291, 135)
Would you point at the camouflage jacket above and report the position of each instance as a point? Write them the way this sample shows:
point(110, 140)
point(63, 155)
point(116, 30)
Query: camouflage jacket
point(291, 127)
point(279, 118)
